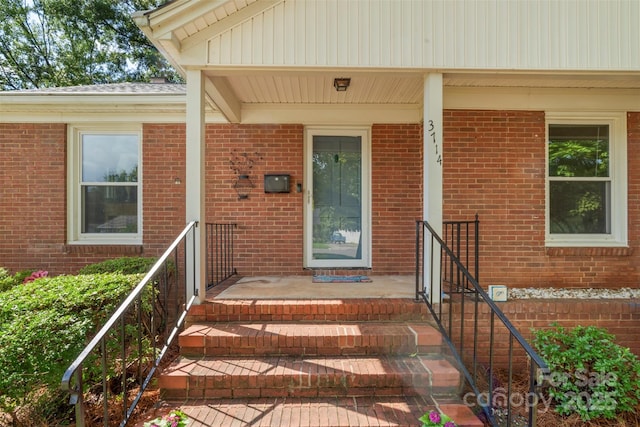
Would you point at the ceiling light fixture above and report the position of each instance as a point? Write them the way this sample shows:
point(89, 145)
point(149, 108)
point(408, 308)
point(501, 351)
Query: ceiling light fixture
point(342, 83)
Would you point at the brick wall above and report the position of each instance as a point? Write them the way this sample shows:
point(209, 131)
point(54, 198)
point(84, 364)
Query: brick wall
point(32, 195)
point(269, 233)
point(164, 160)
point(619, 317)
point(396, 196)
point(33, 198)
point(270, 226)
point(495, 166)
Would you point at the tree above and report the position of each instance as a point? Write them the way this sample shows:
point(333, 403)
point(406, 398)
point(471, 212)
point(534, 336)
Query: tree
point(51, 43)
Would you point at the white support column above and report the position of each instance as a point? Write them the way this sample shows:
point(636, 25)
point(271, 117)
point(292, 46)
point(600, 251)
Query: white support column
point(195, 179)
point(433, 160)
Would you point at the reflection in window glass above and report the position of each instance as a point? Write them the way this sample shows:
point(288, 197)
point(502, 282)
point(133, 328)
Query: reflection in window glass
point(579, 151)
point(579, 207)
point(579, 179)
point(109, 186)
point(337, 197)
point(109, 158)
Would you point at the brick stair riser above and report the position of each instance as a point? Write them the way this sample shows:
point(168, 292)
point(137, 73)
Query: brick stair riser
point(336, 376)
point(296, 339)
point(284, 311)
point(199, 388)
point(231, 347)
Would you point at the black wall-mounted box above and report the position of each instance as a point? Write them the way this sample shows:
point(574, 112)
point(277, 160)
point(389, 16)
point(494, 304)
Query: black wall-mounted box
point(276, 183)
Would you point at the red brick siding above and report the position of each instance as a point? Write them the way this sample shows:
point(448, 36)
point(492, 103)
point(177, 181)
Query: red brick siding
point(32, 195)
point(163, 201)
point(495, 166)
point(269, 233)
point(633, 190)
point(396, 179)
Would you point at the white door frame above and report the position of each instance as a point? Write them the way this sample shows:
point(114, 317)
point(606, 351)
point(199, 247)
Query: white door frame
point(365, 134)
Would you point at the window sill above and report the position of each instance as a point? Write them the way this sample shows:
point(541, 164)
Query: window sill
point(95, 248)
point(589, 251)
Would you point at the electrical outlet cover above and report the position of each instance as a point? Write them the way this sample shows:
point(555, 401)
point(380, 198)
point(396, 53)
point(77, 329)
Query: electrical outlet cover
point(498, 293)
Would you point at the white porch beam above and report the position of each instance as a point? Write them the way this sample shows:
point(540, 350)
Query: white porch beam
point(223, 98)
point(432, 174)
point(195, 178)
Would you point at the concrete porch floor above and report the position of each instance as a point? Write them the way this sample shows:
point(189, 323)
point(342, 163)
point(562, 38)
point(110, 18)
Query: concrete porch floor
point(302, 287)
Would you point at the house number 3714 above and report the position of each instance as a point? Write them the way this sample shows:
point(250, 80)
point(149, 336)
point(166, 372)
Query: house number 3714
point(434, 141)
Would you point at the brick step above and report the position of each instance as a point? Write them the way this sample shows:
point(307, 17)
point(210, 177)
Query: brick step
point(297, 339)
point(309, 377)
point(326, 412)
point(340, 310)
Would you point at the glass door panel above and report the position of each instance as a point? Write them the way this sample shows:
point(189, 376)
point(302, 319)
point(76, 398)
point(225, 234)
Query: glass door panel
point(336, 221)
point(337, 197)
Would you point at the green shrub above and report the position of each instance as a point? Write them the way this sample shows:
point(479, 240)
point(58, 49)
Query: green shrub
point(590, 374)
point(45, 324)
point(7, 281)
point(124, 265)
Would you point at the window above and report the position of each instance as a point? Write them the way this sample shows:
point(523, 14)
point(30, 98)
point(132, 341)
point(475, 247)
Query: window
point(104, 186)
point(586, 180)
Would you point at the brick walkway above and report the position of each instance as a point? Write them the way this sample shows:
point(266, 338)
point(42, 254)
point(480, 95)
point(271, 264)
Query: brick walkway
point(296, 412)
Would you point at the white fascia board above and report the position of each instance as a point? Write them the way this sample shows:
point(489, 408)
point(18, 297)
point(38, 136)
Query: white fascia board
point(27, 108)
point(166, 45)
point(27, 115)
point(174, 15)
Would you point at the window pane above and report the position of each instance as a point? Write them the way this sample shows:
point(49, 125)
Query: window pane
point(109, 158)
point(109, 209)
point(579, 207)
point(579, 150)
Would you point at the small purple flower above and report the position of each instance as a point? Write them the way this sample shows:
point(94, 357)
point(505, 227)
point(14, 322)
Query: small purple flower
point(449, 424)
point(434, 417)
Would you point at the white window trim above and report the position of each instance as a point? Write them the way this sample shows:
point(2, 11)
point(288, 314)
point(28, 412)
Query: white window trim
point(618, 237)
point(74, 236)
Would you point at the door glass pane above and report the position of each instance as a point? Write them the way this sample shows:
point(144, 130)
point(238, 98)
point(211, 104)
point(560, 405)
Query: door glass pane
point(337, 197)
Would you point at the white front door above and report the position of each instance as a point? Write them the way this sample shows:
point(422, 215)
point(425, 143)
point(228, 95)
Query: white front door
point(337, 199)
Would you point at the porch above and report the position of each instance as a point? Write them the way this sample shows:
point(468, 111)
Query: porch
point(273, 348)
point(303, 287)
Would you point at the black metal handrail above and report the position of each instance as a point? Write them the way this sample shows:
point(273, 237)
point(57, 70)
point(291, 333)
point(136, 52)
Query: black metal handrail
point(220, 256)
point(127, 351)
point(456, 301)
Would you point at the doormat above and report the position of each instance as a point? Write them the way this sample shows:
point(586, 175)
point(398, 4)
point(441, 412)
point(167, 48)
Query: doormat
point(340, 279)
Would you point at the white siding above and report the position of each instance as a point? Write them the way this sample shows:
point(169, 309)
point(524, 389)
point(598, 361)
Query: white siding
point(449, 34)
